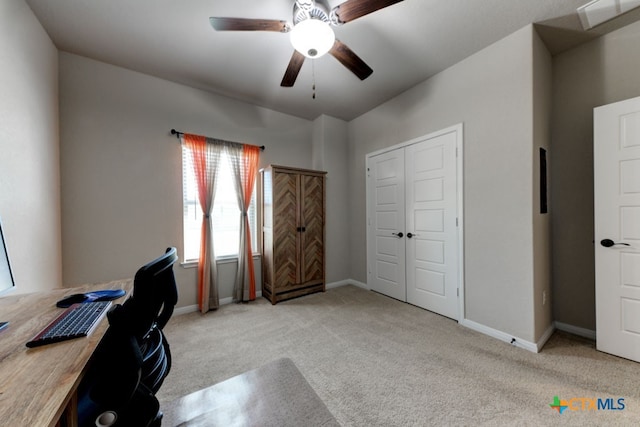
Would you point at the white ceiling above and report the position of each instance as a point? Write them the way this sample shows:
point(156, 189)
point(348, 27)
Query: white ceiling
point(404, 44)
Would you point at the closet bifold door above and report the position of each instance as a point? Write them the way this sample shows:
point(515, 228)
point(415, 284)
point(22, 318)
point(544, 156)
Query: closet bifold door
point(415, 239)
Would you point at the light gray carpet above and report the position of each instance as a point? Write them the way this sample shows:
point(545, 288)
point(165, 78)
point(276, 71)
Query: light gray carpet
point(375, 361)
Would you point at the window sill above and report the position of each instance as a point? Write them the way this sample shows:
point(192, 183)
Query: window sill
point(219, 260)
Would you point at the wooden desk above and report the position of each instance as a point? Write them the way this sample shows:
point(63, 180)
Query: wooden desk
point(38, 385)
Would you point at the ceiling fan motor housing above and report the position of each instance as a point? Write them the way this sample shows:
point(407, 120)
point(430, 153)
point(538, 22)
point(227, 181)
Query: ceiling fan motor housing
point(308, 9)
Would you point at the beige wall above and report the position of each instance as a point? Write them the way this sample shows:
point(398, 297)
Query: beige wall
point(542, 80)
point(600, 72)
point(330, 151)
point(492, 94)
point(122, 170)
point(29, 154)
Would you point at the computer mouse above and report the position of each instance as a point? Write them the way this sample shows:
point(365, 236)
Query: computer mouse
point(105, 295)
point(70, 300)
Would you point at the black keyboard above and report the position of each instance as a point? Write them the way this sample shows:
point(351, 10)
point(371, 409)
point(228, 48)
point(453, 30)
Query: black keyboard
point(79, 320)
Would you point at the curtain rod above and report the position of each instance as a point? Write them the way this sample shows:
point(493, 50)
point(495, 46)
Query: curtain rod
point(179, 134)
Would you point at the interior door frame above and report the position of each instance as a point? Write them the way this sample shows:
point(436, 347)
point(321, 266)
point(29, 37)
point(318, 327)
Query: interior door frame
point(458, 129)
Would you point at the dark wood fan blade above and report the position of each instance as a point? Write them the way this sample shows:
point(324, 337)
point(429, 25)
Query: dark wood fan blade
point(290, 76)
point(354, 9)
point(244, 24)
point(349, 59)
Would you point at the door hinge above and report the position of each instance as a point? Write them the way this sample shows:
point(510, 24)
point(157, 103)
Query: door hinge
point(456, 221)
point(457, 292)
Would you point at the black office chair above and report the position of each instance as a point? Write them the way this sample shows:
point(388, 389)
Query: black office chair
point(133, 357)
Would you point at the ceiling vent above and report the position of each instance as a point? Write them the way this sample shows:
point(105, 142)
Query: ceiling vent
point(597, 12)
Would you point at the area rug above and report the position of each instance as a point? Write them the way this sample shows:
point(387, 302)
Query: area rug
point(276, 394)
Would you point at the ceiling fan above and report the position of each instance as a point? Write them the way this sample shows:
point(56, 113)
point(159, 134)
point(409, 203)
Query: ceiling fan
point(311, 32)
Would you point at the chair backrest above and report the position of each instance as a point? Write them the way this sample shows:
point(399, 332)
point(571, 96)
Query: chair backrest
point(133, 358)
point(158, 276)
point(154, 296)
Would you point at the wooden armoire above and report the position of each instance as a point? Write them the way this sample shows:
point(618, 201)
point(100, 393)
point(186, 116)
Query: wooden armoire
point(293, 221)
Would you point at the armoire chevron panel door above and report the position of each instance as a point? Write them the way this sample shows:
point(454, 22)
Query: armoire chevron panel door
point(293, 221)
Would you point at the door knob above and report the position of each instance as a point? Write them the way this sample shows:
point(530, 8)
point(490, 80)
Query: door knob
point(607, 243)
point(399, 235)
point(410, 235)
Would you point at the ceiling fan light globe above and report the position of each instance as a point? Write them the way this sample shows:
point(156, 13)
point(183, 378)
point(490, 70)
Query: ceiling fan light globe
point(312, 38)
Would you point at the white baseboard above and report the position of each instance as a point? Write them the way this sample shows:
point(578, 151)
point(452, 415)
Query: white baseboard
point(502, 336)
point(347, 282)
point(545, 337)
point(194, 307)
point(575, 330)
point(184, 310)
point(225, 301)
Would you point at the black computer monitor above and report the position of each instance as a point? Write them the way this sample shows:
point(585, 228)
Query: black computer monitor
point(7, 283)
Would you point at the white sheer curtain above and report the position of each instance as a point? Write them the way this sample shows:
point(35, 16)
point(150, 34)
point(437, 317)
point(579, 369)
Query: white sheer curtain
point(244, 164)
point(206, 158)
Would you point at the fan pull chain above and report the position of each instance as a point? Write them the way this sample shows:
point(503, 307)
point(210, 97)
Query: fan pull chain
point(313, 74)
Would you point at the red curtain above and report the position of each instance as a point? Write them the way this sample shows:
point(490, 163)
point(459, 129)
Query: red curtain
point(250, 159)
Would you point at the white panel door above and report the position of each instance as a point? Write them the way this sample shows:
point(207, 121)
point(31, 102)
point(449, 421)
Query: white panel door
point(386, 216)
point(431, 233)
point(617, 227)
point(414, 224)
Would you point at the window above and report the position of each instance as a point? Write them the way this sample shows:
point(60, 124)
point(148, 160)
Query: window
point(225, 213)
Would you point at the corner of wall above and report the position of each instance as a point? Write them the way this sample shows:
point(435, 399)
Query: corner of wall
point(317, 143)
point(541, 222)
point(29, 164)
point(330, 153)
